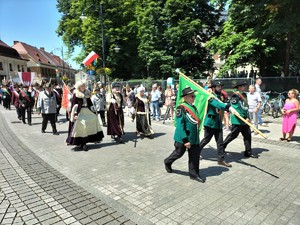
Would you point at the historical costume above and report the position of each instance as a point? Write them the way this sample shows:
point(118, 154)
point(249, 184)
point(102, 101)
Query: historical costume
point(58, 94)
point(6, 97)
point(213, 122)
point(98, 100)
point(115, 115)
point(15, 101)
point(240, 104)
point(47, 106)
point(26, 103)
point(85, 126)
point(142, 113)
point(187, 135)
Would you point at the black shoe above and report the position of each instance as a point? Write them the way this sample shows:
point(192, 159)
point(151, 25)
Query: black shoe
point(198, 179)
point(24, 122)
point(55, 133)
point(29, 124)
point(85, 148)
point(121, 141)
point(43, 131)
point(168, 168)
point(251, 156)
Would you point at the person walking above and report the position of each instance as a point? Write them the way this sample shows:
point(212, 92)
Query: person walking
point(290, 113)
point(254, 102)
point(213, 122)
point(240, 104)
point(15, 100)
point(98, 101)
point(6, 96)
point(186, 135)
point(84, 126)
point(170, 100)
point(155, 97)
point(115, 115)
point(142, 115)
point(26, 103)
point(47, 105)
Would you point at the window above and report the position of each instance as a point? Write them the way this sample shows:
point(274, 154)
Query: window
point(10, 67)
point(1, 66)
point(19, 68)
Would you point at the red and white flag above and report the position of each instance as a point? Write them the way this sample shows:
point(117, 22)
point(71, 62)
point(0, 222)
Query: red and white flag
point(26, 77)
point(90, 58)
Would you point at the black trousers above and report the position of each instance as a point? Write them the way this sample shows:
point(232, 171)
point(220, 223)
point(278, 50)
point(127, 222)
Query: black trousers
point(46, 118)
point(218, 134)
point(194, 153)
point(246, 132)
point(19, 113)
point(23, 112)
point(6, 103)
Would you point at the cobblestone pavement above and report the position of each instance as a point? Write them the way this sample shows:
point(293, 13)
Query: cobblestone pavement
point(131, 178)
point(32, 192)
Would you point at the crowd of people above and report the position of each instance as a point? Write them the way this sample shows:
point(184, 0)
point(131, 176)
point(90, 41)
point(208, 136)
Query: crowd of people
point(90, 108)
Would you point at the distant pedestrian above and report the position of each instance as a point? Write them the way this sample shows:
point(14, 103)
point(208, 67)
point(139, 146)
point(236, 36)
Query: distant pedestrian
point(155, 98)
point(15, 100)
point(98, 101)
point(258, 84)
point(170, 99)
point(290, 111)
point(47, 106)
point(26, 103)
point(186, 135)
point(254, 102)
point(6, 96)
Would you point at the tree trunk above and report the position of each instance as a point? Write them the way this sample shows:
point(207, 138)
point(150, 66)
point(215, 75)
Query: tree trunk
point(287, 55)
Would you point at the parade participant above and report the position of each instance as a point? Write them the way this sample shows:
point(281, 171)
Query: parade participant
point(240, 104)
point(47, 105)
point(155, 98)
point(186, 135)
point(143, 120)
point(98, 101)
point(85, 126)
point(213, 122)
point(58, 94)
point(254, 102)
point(35, 92)
point(290, 112)
point(115, 115)
point(6, 96)
point(15, 101)
point(26, 102)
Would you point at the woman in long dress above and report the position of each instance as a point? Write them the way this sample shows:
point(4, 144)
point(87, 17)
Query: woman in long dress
point(290, 111)
point(143, 122)
point(85, 126)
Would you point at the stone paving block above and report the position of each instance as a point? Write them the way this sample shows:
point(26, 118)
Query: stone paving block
point(104, 220)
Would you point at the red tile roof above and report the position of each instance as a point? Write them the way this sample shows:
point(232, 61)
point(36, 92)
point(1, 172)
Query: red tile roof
point(8, 51)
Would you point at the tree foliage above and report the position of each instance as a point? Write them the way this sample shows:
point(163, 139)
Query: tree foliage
point(155, 37)
point(260, 32)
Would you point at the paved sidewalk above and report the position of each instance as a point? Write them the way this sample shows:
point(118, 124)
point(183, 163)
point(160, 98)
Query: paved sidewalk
point(32, 192)
point(130, 179)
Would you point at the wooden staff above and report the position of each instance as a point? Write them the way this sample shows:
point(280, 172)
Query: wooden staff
point(250, 125)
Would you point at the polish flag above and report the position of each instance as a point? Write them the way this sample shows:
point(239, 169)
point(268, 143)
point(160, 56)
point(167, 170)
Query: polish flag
point(90, 58)
point(26, 77)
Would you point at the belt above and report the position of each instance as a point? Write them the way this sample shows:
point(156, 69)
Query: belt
point(155, 101)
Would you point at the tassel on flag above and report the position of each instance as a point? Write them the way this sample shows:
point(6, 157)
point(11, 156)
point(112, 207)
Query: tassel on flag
point(90, 58)
point(26, 77)
point(65, 100)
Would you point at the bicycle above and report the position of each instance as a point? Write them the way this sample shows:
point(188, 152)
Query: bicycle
point(277, 104)
point(266, 106)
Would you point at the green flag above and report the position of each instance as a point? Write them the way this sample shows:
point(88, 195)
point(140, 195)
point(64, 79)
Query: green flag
point(202, 96)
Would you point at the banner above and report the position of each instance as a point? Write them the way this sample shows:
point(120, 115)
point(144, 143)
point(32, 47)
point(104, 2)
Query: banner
point(65, 99)
point(26, 77)
point(202, 96)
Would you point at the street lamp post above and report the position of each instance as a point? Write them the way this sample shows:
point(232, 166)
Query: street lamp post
point(62, 58)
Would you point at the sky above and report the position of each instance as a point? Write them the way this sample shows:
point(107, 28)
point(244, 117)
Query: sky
point(33, 22)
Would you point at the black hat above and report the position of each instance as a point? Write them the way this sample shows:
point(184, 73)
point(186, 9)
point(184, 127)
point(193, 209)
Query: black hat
point(187, 91)
point(115, 84)
point(240, 83)
point(215, 83)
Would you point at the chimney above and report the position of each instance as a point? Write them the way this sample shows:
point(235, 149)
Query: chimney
point(42, 49)
point(16, 42)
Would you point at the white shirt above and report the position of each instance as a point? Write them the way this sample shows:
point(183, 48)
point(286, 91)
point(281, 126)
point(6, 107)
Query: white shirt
point(253, 100)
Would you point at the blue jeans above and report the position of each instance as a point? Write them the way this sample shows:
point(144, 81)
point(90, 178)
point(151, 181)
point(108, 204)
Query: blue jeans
point(155, 109)
point(259, 117)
